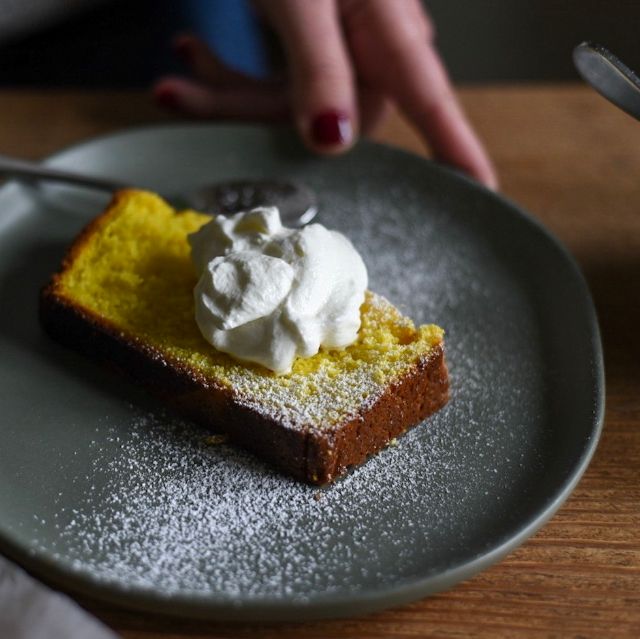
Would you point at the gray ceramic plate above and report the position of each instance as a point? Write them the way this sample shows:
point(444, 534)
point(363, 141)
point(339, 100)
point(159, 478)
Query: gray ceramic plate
point(102, 492)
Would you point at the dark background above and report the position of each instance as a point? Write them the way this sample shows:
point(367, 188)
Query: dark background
point(125, 43)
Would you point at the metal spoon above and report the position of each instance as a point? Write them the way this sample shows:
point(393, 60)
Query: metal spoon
point(609, 76)
point(297, 203)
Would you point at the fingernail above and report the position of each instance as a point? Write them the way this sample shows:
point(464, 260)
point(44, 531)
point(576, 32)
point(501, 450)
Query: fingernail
point(167, 99)
point(331, 128)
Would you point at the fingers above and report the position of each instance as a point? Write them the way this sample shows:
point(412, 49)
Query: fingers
point(204, 64)
point(434, 108)
point(323, 88)
point(218, 91)
point(393, 48)
point(250, 101)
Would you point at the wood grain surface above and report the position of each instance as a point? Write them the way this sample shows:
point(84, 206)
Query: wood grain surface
point(573, 161)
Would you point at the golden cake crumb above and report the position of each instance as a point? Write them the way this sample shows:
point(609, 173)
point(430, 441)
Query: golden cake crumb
point(137, 274)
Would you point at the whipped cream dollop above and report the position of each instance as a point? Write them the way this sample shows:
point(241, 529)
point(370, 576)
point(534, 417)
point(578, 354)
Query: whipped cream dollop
point(269, 294)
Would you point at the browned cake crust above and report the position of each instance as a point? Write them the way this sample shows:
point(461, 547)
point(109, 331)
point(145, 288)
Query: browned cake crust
point(309, 454)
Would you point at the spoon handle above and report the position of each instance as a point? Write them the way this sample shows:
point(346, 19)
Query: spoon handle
point(609, 76)
point(33, 171)
point(298, 204)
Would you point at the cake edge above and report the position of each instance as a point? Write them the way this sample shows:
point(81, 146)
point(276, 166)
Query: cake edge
point(316, 456)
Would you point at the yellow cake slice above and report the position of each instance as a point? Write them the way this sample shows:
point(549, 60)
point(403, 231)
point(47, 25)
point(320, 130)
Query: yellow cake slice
point(124, 296)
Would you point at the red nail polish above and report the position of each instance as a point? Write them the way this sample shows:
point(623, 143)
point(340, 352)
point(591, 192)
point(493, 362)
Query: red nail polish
point(331, 128)
point(167, 99)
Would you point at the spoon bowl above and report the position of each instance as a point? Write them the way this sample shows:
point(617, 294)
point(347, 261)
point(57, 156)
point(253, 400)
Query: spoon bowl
point(297, 203)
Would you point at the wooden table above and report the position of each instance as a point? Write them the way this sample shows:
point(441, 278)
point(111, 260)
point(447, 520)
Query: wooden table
point(574, 161)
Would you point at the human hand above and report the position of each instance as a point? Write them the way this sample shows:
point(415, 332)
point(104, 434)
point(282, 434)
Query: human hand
point(347, 59)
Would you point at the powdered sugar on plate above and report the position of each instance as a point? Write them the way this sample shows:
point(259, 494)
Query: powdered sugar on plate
point(162, 510)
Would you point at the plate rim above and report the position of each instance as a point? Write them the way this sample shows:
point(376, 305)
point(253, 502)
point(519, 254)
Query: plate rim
point(326, 605)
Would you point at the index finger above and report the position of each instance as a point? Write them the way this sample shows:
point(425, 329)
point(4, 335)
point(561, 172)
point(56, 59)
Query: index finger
point(393, 49)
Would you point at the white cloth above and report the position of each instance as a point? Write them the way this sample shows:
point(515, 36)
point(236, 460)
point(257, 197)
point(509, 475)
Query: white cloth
point(30, 610)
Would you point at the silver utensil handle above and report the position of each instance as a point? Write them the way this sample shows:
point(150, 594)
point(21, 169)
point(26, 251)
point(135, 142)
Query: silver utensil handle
point(609, 76)
point(33, 171)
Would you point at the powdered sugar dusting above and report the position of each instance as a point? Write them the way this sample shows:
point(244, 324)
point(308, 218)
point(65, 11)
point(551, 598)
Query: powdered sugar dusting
point(321, 398)
point(161, 510)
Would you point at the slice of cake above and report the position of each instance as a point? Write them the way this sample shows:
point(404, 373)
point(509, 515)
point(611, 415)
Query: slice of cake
point(124, 296)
